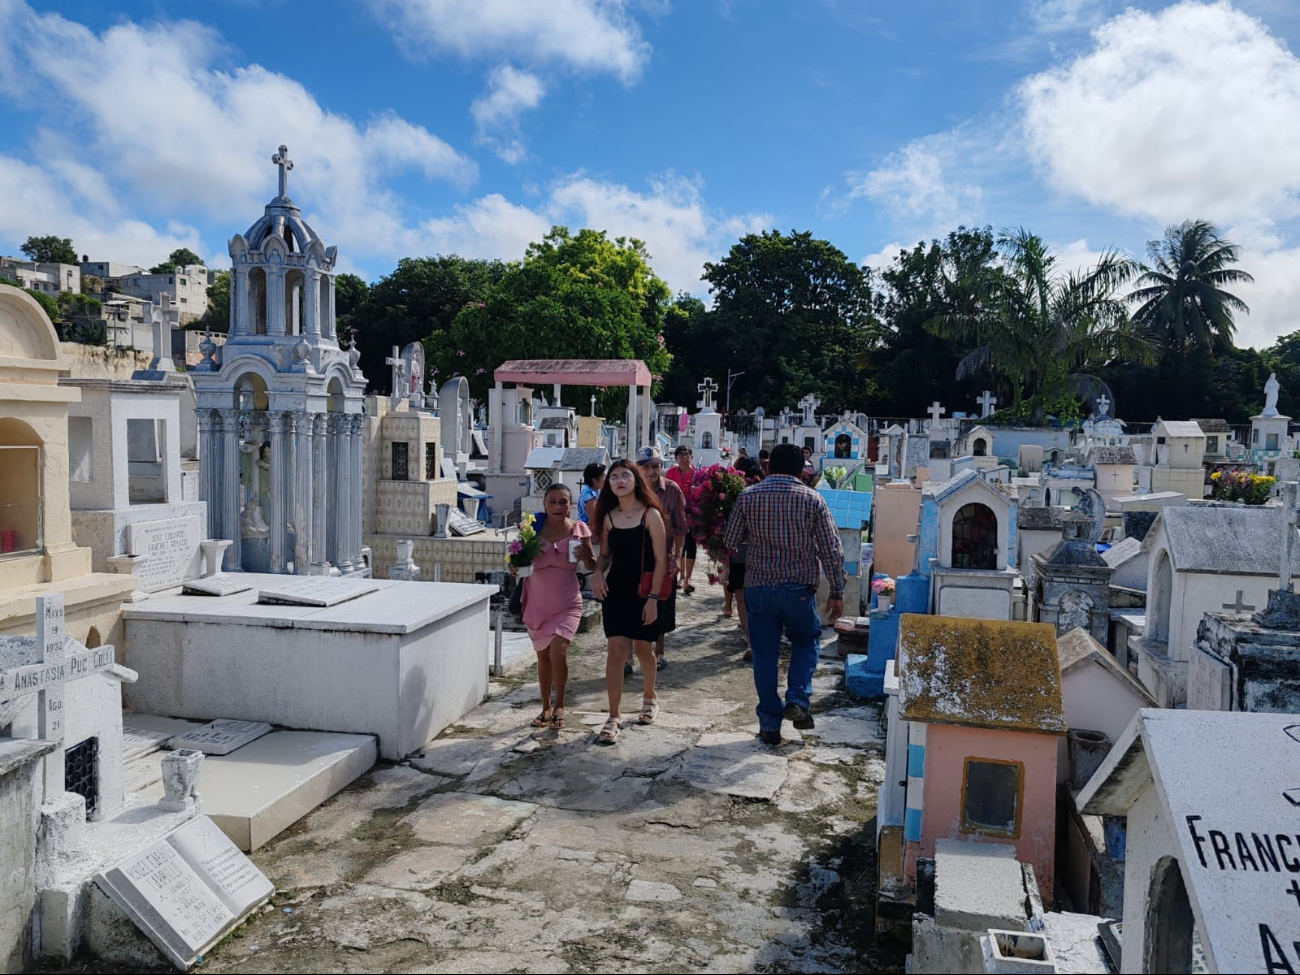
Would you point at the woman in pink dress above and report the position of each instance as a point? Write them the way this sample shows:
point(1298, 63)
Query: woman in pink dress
point(552, 599)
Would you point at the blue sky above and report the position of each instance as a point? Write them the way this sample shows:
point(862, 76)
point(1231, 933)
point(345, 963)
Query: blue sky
point(437, 126)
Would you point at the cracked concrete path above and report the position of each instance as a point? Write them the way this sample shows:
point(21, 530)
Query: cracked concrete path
point(687, 847)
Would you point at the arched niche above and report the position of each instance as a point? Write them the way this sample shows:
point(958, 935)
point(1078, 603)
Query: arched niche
point(980, 448)
point(1162, 596)
point(256, 301)
point(294, 286)
point(25, 329)
point(1170, 924)
point(975, 537)
point(250, 392)
point(21, 468)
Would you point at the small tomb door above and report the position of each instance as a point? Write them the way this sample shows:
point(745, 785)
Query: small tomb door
point(975, 538)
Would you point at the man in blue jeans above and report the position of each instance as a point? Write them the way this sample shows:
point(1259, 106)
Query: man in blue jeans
point(788, 530)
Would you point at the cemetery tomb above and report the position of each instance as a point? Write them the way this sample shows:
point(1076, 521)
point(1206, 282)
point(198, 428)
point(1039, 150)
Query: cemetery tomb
point(400, 660)
point(1208, 851)
point(280, 410)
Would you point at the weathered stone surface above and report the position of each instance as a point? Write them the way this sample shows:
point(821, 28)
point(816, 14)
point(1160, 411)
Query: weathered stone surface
point(735, 764)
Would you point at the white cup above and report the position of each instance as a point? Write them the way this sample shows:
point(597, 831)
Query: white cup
point(574, 545)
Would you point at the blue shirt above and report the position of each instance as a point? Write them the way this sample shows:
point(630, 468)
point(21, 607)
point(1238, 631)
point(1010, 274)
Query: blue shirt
point(585, 495)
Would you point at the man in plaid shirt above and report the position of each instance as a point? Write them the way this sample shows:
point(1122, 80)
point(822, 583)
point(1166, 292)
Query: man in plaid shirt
point(789, 531)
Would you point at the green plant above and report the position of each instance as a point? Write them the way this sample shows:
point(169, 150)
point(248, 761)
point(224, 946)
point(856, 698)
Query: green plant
point(1241, 486)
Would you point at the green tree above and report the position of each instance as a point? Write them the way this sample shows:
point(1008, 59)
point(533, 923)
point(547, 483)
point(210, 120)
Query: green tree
point(181, 257)
point(580, 296)
point(50, 306)
point(792, 313)
point(217, 317)
point(50, 250)
point(1181, 299)
point(422, 297)
point(1037, 329)
point(910, 366)
point(349, 293)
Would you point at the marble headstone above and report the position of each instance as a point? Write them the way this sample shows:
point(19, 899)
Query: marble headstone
point(221, 737)
point(170, 550)
point(187, 890)
point(314, 591)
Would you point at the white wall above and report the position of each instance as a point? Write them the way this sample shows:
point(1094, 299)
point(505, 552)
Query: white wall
point(1096, 700)
point(1150, 838)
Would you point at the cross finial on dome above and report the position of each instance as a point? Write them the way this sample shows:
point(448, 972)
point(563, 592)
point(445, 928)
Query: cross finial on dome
point(282, 160)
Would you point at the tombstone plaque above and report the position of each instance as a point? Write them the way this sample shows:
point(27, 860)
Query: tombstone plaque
point(462, 524)
point(187, 890)
point(139, 742)
point(218, 585)
point(221, 737)
point(315, 591)
point(170, 550)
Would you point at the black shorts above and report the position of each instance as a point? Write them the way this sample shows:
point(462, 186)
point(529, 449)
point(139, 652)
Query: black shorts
point(688, 551)
point(735, 576)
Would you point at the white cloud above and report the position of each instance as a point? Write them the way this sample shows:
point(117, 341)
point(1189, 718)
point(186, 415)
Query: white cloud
point(925, 184)
point(1273, 297)
point(1064, 16)
point(511, 92)
point(679, 230)
point(594, 36)
point(489, 227)
point(204, 148)
point(1189, 112)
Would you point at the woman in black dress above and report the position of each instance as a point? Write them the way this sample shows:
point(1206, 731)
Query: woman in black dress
point(632, 540)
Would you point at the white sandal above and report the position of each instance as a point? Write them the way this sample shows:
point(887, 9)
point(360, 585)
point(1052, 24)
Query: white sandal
point(609, 734)
point(649, 710)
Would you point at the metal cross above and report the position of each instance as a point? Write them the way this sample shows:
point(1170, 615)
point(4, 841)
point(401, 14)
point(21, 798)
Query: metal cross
point(707, 388)
point(1239, 606)
point(282, 160)
point(987, 401)
point(936, 411)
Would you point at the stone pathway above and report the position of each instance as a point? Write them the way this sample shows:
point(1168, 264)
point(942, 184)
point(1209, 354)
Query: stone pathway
point(687, 847)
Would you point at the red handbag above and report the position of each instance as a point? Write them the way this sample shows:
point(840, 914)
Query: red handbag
point(648, 578)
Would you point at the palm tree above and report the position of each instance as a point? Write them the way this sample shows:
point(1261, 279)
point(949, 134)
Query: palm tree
point(1181, 299)
point(1035, 328)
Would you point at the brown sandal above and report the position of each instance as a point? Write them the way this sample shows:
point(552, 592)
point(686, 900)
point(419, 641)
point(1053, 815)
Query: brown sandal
point(543, 720)
point(557, 718)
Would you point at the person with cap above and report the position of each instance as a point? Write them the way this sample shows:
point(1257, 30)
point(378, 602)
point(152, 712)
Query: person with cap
point(682, 473)
point(788, 530)
point(673, 502)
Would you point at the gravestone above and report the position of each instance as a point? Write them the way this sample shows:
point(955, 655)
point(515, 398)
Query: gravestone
point(168, 552)
point(187, 890)
point(315, 591)
point(462, 524)
point(218, 585)
point(221, 737)
point(139, 742)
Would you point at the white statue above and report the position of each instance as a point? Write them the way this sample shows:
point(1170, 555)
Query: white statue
point(1270, 395)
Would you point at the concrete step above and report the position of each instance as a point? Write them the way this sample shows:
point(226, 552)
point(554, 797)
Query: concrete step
point(261, 789)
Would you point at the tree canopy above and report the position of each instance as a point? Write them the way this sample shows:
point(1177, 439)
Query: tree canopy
point(50, 250)
point(577, 295)
point(180, 257)
point(791, 312)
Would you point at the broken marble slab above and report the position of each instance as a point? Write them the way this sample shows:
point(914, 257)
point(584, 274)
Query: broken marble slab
point(221, 737)
point(736, 764)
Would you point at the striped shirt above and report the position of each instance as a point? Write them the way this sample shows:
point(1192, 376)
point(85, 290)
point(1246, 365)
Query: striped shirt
point(788, 529)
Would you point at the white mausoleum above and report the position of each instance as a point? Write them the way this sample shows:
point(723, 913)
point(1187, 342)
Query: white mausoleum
point(280, 411)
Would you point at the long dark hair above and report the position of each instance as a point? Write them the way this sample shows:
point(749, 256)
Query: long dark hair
point(608, 500)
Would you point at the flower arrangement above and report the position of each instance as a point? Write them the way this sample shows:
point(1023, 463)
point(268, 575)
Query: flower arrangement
point(883, 586)
point(715, 491)
point(725, 453)
point(1242, 486)
point(523, 550)
point(835, 476)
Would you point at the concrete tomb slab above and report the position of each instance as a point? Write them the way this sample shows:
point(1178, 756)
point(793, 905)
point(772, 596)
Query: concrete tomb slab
point(187, 890)
point(314, 591)
point(138, 742)
point(221, 737)
point(268, 785)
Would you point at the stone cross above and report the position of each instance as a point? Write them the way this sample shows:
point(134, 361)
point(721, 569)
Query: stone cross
point(935, 412)
point(1289, 538)
point(50, 640)
point(987, 401)
point(1240, 606)
point(707, 388)
point(785, 416)
point(399, 390)
point(282, 160)
point(809, 405)
point(1103, 404)
point(161, 320)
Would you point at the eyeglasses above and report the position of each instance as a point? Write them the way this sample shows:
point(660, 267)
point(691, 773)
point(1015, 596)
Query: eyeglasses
point(622, 476)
